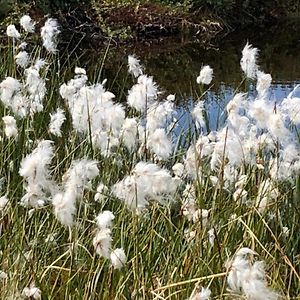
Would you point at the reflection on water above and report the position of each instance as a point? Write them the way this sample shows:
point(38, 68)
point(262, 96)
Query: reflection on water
point(216, 101)
point(175, 64)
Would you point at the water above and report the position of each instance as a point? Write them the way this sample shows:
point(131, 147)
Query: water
point(175, 63)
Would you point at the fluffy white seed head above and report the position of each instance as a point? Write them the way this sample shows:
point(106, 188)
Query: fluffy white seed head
point(65, 207)
point(206, 75)
point(22, 59)
point(171, 97)
point(76, 179)
point(159, 114)
point(159, 144)
point(248, 61)
point(118, 258)
point(102, 242)
point(49, 34)
point(12, 32)
point(9, 88)
point(27, 23)
point(56, 121)
point(198, 115)
point(129, 133)
point(3, 275)
point(32, 292)
point(34, 165)
point(291, 107)
point(3, 202)
point(201, 215)
point(101, 191)
point(36, 88)
point(39, 64)
point(178, 169)
point(80, 71)
point(134, 66)
point(35, 169)
point(263, 83)
point(22, 46)
point(80, 173)
point(203, 295)
point(105, 219)
point(148, 181)
point(11, 129)
point(245, 251)
point(142, 94)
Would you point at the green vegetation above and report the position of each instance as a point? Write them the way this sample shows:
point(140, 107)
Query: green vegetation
point(185, 199)
point(128, 19)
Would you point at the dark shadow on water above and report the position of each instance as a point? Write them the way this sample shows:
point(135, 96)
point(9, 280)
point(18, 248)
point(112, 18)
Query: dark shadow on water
point(175, 63)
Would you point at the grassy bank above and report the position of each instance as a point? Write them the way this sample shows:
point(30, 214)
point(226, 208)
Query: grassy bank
point(124, 20)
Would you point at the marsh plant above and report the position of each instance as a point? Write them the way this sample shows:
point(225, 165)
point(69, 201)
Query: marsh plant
point(102, 199)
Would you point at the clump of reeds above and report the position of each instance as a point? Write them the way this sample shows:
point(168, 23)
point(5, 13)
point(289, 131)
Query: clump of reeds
point(114, 207)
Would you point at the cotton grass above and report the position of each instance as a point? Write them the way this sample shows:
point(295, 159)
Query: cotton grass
point(102, 199)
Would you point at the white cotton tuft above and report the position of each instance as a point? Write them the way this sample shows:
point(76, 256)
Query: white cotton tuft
point(80, 173)
point(105, 219)
point(102, 242)
point(277, 127)
point(3, 275)
point(22, 59)
point(56, 121)
point(36, 88)
point(245, 251)
point(148, 181)
point(118, 258)
point(9, 88)
point(211, 236)
point(34, 169)
point(80, 71)
point(291, 106)
point(248, 61)
point(77, 178)
point(27, 23)
point(33, 165)
point(12, 32)
point(198, 114)
point(129, 133)
point(39, 64)
point(267, 191)
point(134, 66)
point(260, 110)
point(101, 191)
point(32, 292)
point(159, 114)
point(263, 83)
point(203, 295)
point(159, 144)
point(189, 206)
point(11, 129)
point(49, 33)
point(65, 207)
point(248, 278)
point(178, 169)
point(200, 215)
point(171, 97)
point(206, 75)
point(94, 113)
point(3, 202)
point(142, 94)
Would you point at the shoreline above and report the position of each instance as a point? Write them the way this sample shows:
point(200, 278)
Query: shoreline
point(97, 25)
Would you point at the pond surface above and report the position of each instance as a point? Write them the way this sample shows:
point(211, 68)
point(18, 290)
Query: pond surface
point(175, 63)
